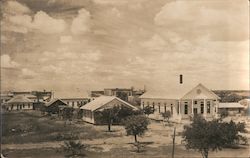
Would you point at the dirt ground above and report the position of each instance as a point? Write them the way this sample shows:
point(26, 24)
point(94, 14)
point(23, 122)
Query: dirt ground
point(157, 140)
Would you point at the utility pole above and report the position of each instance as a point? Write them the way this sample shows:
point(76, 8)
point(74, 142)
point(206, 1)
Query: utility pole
point(173, 143)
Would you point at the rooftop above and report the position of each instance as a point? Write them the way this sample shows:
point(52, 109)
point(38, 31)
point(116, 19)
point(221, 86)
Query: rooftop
point(231, 105)
point(102, 100)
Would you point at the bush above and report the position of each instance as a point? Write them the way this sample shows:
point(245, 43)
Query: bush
point(73, 148)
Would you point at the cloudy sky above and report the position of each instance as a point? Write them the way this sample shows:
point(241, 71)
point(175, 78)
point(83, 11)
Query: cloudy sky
point(73, 46)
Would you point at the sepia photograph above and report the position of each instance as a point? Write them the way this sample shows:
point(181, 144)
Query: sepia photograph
point(124, 79)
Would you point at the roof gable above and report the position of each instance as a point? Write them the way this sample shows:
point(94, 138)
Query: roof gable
point(53, 101)
point(19, 99)
point(200, 92)
point(102, 101)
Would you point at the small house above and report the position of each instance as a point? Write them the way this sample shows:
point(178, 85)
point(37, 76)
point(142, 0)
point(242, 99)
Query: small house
point(233, 108)
point(101, 103)
point(55, 106)
point(18, 102)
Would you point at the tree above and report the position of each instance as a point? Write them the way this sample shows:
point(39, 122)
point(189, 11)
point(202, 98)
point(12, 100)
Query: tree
point(68, 114)
point(136, 125)
point(166, 115)
point(148, 110)
point(223, 113)
point(204, 136)
point(109, 115)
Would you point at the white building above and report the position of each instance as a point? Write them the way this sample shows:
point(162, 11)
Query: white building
point(100, 103)
point(19, 102)
point(75, 102)
point(182, 101)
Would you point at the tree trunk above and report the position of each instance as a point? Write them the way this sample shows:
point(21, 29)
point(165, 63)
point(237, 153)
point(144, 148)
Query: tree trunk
point(109, 127)
point(135, 138)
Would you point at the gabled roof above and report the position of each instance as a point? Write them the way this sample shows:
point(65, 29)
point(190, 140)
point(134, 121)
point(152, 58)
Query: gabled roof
point(19, 99)
point(52, 101)
point(172, 92)
point(231, 105)
point(200, 92)
point(101, 101)
point(181, 91)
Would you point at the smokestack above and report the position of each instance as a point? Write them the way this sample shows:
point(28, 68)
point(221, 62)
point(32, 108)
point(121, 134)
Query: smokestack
point(181, 79)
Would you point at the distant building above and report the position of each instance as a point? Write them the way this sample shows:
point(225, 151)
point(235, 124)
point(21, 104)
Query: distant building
point(126, 94)
point(94, 94)
point(182, 102)
point(55, 106)
point(5, 96)
point(75, 102)
point(18, 102)
point(101, 103)
point(232, 108)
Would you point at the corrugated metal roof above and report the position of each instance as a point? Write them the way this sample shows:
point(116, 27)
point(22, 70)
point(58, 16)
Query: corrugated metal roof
point(101, 101)
point(19, 99)
point(231, 105)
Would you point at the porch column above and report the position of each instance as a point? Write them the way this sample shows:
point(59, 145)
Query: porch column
point(192, 110)
point(179, 103)
point(205, 107)
point(216, 106)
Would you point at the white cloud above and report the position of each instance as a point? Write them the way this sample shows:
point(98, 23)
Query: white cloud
point(116, 12)
point(41, 22)
point(91, 56)
point(46, 24)
point(28, 74)
point(6, 62)
point(81, 23)
point(14, 7)
point(220, 19)
point(65, 39)
point(156, 43)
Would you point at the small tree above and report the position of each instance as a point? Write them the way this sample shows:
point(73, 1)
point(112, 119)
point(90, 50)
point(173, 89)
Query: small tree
point(108, 115)
point(73, 148)
point(166, 115)
point(68, 114)
point(148, 110)
point(204, 136)
point(224, 113)
point(136, 125)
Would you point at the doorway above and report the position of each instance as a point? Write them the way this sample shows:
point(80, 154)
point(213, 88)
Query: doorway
point(195, 111)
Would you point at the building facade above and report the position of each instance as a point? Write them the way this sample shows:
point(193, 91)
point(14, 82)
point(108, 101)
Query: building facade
point(75, 102)
point(198, 100)
point(18, 102)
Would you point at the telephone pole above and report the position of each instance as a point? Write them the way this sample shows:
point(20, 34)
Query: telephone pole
point(173, 143)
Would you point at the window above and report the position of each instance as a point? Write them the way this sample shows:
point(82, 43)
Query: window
point(208, 107)
point(159, 108)
point(165, 108)
point(195, 102)
point(28, 105)
point(73, 103)
point(153, 105)
point(202, 107)
point(186, 108)
point(171, 110)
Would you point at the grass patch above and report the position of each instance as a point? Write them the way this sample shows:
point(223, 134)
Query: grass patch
point(24, 127)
